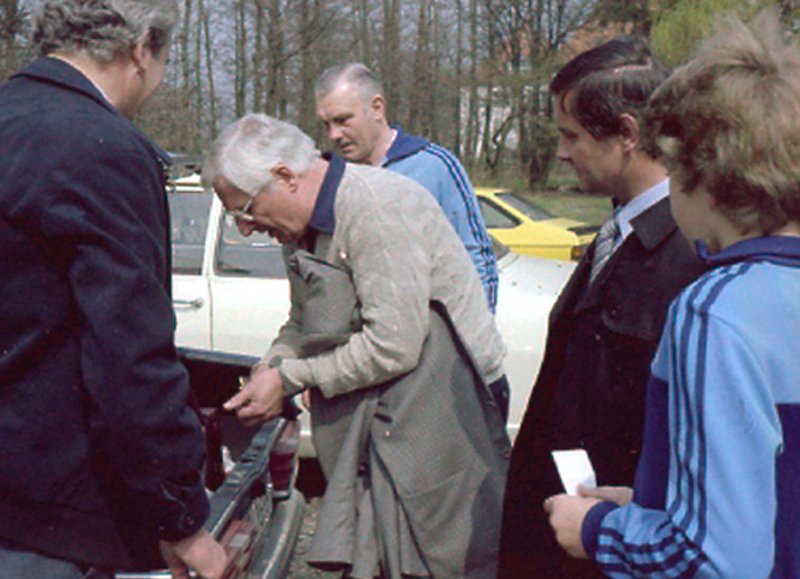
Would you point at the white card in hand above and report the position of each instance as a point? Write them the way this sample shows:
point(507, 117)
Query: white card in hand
point(574, 468)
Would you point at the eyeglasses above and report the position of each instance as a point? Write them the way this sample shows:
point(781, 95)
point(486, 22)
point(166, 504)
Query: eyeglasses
point(244, 213)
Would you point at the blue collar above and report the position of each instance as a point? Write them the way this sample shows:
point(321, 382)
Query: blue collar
point(783, 250)
point(323, 218)
point(403, 146)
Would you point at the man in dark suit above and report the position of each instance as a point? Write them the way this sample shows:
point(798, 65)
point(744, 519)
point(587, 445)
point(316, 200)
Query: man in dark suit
point(101, 452)
point(605, 325)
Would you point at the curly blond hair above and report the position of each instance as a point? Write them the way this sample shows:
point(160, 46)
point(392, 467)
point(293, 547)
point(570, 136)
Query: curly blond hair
point(729, 121)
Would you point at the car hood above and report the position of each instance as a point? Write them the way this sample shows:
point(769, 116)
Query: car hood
point(533, 274)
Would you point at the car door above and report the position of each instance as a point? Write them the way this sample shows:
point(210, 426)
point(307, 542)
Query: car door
point(191, 299)
point(249, 287)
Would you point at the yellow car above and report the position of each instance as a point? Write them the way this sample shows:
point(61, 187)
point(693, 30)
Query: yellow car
point(526, 228)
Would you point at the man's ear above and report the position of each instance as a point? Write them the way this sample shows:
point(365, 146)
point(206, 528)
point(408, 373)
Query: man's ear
point(285, 175)
point(141, 54)
point(629, 132)
point(378, 106)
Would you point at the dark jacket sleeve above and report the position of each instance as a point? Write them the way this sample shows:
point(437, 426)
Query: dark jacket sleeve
point(106, 225)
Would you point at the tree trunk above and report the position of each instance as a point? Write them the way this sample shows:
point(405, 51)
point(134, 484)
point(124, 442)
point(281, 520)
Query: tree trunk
point(459, 73)
point(308, 68)
point(10, 24)
point(198, 72)
point(486, 142)
point(390, 62)
point(259, 57)
point(212, 99)
point(276, 81)
point(240, 61)
point(417, 100)
point(364, 52)
point(435, 80)
point(470, 154)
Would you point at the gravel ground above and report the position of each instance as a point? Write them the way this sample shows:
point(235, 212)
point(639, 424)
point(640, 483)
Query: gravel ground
point(311, 484)
point(299, 568)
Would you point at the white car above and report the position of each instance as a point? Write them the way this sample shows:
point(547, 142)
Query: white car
point(230, 293)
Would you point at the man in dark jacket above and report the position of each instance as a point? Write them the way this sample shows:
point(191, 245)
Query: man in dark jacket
point(101, 452)
point(605, 325)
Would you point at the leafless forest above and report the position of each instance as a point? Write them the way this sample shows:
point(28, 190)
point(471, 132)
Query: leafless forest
point(470, 74)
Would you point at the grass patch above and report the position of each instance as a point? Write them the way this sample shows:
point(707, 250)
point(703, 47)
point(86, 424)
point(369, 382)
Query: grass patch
point(591, 209)
point(561, 196)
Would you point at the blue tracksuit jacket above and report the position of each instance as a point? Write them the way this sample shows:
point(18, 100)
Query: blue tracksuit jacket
point(717, 492)
point(438, 170)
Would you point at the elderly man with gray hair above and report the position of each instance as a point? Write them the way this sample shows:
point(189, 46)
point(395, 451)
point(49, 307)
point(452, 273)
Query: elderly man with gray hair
point(100, 449)
point(390, 333)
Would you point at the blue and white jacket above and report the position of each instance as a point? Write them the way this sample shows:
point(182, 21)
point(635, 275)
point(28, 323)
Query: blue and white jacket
point(717, 492)
point(438, 170)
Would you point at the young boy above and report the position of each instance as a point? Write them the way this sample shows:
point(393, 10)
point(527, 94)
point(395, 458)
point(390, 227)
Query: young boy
point(717, 492)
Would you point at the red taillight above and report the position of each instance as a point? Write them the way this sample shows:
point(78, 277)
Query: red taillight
point(237, 541)
point(282, 461)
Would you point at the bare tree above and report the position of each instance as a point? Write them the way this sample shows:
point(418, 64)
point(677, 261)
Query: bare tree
point(212, 99)
point(11, 23)
point(390, 60)
point(276, 60)
point(362, 13)
point(240, 60)
point(417, 101)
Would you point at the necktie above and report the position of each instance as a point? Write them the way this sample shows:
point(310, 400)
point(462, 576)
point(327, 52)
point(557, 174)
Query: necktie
point(604, 247)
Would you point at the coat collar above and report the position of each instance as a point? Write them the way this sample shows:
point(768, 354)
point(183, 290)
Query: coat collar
point(654, 225)
point(650, 228)
point(323, 218)
point(57, 72)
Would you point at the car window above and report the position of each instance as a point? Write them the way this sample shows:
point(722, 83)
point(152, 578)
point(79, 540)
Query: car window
point(499, 249)
point(255, 256)
point(524, 206)
point(189, 220)
point(494, 216)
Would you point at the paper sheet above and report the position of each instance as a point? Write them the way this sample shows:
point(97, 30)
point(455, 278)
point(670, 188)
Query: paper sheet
point(574, 468)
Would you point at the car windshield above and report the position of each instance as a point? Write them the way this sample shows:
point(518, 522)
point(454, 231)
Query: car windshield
point(524, 206)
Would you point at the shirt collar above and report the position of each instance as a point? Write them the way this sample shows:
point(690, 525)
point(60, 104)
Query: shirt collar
point(784, 250)
point(638, 205)
point(323, 219)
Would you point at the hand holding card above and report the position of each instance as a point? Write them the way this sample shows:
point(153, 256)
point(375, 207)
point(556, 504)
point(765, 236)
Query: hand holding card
point(574, 468)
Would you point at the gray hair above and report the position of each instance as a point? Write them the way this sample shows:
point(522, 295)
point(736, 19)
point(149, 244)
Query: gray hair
point(246, 151)
point(355, 74)
point(104, 28)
